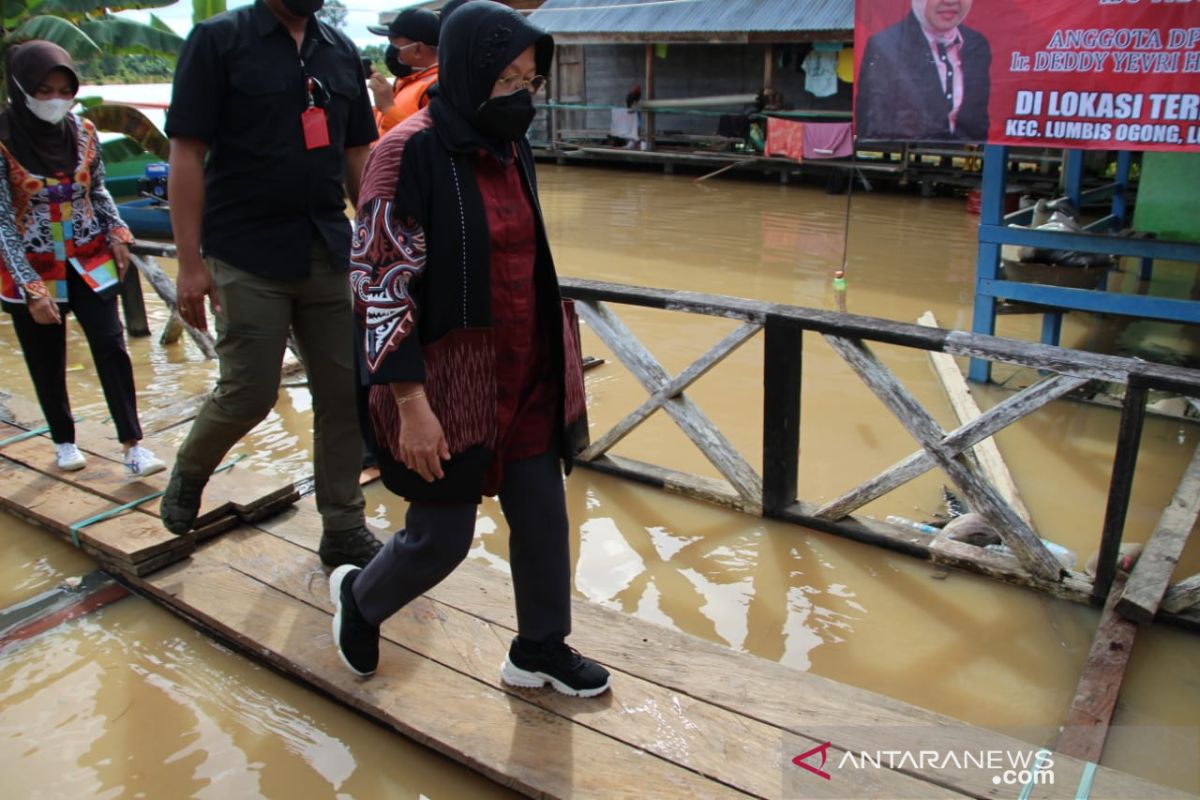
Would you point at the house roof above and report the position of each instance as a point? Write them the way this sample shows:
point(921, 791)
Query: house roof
point(595, 21)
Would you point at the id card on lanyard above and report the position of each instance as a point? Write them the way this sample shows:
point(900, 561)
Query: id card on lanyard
point(313, 121)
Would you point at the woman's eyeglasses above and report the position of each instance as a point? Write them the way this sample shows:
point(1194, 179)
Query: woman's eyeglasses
point(512, 83)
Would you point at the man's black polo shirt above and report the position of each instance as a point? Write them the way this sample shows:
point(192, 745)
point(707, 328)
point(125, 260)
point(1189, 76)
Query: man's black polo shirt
point(240, 87)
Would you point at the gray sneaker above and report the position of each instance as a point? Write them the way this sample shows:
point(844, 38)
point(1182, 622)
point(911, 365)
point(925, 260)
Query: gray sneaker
point(181, 502)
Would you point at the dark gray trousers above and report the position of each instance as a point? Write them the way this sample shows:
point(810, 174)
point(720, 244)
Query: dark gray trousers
point(436, 538)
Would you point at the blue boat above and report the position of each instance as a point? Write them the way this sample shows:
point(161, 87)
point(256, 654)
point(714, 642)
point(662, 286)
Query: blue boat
point(148, 218)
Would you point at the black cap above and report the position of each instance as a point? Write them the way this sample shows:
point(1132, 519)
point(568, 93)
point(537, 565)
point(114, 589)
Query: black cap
point(448, 9)
point(418, 24)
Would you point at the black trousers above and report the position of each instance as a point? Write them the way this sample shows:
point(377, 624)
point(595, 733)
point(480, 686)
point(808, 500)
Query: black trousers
point(436, 538)
point(45, 350)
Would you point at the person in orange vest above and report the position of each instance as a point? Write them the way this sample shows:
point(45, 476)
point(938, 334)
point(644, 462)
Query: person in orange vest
point(412, 58)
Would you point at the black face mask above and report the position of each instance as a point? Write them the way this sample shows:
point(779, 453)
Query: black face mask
point(391, 57)
point(506, 117)
point(303, 8)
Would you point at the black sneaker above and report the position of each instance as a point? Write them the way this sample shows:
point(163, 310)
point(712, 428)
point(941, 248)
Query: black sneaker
point(534, 665)
point(356, 639)
point(181, 502)
point(356, 546)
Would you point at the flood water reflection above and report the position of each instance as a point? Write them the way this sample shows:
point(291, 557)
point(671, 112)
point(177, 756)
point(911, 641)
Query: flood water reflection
point(81, 702)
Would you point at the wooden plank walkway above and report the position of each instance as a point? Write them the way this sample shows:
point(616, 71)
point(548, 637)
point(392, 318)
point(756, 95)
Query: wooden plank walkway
point(685, 718)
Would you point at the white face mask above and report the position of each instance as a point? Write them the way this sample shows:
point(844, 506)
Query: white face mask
point(52, 111)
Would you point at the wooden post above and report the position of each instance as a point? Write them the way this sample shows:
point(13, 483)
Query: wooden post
point(1091, 711)
point(1129, 437)
point(134, 305)
point(1148, 582)
point(648, 94)
point(769, 67)
point(782, 360)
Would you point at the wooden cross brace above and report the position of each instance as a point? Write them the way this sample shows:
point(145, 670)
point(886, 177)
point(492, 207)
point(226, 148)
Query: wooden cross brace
point(982, 496)
point(667, 393)
point(956, 442)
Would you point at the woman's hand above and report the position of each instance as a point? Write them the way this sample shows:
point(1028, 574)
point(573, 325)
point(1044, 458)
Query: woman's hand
point(422, 443)
point(44, 311)
point(121, 254)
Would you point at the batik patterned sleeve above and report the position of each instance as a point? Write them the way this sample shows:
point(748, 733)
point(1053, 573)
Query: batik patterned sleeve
point(387, 258)
point(11, 245)
point(105, 208)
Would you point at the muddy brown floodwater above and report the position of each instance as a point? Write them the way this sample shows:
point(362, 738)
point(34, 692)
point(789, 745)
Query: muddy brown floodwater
point(132, 702)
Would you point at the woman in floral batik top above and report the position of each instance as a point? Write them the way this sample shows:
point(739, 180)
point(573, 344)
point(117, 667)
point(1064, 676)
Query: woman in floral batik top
point(63, 247)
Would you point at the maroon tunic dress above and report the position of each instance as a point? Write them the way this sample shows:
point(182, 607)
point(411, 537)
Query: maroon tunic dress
point(526, 390)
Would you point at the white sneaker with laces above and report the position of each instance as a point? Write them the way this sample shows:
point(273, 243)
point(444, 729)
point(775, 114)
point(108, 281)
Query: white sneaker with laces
point(140, 462)
point(68, 457)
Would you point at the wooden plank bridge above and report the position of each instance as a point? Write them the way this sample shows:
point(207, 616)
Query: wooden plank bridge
point(685, 718)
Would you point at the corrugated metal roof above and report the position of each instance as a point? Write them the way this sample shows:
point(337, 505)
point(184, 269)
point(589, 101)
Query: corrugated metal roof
point(633, 17)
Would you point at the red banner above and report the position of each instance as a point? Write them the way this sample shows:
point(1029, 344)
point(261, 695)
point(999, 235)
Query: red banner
point(1097, 74)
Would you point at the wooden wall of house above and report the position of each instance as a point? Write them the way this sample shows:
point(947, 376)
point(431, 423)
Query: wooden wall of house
point(690, 70)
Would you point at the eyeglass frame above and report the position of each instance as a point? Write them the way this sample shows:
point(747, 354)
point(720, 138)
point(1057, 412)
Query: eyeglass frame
point(514, 83)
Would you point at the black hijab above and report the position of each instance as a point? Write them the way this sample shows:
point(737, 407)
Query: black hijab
point(477, 42)
point(40, 147)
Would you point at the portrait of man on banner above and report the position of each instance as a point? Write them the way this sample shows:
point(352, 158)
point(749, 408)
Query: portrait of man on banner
point(924, 77)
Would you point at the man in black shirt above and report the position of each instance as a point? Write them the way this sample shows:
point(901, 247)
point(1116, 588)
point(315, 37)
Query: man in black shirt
point(270, 125)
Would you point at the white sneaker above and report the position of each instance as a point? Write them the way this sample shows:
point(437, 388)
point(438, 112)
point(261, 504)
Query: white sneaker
point(68, 457)
point(140, 462)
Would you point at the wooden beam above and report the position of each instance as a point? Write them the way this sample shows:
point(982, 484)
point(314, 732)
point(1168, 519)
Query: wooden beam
point(1184, 594)
point(672, 388)
point(1148, 582)
point(1002, 414)
point(1035, 355)
point(1086, 727)
point(49, 609)
point(687, 415)
point(165, 288)
point(917, 421)
point(987, 453)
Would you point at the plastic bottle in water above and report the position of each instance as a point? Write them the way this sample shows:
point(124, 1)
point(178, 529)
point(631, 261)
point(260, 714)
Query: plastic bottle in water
point(905, 522)
point(1062, 554)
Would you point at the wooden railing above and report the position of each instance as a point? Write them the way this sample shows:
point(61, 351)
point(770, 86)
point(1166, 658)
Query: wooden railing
point(772, 493)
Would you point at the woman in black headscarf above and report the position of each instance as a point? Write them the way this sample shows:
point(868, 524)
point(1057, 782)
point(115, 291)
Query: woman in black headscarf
point(470, 359)
point(64, 248)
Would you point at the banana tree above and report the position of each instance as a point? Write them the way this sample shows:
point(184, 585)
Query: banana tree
point(86, 28)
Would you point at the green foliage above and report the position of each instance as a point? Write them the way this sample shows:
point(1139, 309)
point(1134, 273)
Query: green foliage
point(203, 9)
point(127, 69)
point(85, 28)
point(57, 30)
point(78, 9)
point(117, 35)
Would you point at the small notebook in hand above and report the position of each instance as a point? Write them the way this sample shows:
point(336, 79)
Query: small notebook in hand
point(98, 271)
